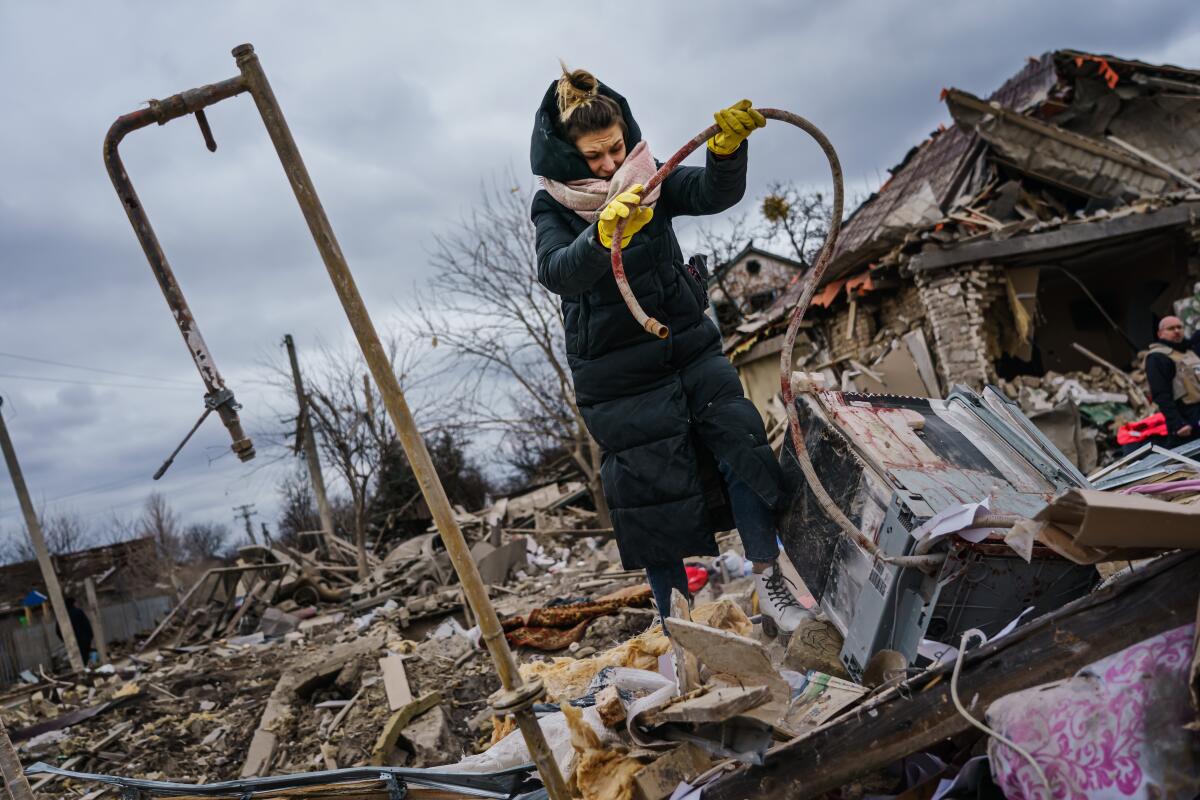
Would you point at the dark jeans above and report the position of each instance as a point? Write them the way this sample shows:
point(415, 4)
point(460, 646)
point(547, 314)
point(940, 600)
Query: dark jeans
point(755, 523)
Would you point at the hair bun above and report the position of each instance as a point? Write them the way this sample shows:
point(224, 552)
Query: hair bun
point(575, 88)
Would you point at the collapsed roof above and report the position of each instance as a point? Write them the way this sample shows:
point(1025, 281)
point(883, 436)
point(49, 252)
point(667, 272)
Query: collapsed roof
point(1107, 137)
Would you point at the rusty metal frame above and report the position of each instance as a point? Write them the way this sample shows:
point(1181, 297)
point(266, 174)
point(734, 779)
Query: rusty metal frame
point(217, 397)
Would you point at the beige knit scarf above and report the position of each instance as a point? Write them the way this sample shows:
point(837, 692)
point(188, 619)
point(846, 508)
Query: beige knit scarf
point(589, 196)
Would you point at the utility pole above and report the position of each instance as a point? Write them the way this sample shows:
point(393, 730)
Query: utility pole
point(309, 443)
point(245, 511)
point(39, 547)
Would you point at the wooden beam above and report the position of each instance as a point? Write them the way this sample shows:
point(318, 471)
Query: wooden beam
point(1070, 235)
point(182, 604)
point(89, 587)
point(1156, 598)
point(34, 527)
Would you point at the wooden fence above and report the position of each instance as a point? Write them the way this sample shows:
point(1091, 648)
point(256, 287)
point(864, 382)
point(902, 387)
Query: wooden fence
point(25, 647)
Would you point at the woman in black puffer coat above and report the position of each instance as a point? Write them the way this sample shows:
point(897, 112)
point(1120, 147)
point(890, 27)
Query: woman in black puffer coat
point(682, 446)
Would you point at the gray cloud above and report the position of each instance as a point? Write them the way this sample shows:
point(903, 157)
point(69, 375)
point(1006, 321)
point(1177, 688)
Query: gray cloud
point(402, 112)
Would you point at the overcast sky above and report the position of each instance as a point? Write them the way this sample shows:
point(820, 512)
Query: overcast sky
point(401, 111)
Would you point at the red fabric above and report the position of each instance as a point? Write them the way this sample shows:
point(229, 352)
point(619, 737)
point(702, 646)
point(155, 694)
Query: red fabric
point(697, 578)
point(557, 627)
point(1142, 429)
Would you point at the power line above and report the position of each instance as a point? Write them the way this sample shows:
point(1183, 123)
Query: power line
point(90, 369)
point(95, 383)
point(194, 481)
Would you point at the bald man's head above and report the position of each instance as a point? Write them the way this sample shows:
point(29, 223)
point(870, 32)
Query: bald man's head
point(1170, 329)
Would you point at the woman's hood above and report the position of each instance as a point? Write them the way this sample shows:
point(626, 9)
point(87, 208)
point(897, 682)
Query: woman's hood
point(552, 156)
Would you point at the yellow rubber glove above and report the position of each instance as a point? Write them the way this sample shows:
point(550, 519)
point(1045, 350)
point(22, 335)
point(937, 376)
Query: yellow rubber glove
point(623, 206)
point(737, 122)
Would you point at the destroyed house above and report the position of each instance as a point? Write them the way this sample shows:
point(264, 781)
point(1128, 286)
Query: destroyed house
point(1055, 216)
point(127, 580)
point(749, 282)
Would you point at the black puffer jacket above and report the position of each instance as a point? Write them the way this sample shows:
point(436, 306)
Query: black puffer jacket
point(660, 408)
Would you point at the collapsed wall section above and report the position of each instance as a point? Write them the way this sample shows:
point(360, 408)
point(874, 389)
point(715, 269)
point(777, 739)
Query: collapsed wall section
point(961, 305)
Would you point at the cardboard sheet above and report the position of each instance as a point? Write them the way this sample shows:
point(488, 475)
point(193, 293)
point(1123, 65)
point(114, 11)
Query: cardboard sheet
point(1107, 519)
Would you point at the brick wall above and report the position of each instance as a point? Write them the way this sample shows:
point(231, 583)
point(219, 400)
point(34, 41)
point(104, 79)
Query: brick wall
point(846, 342)
point(963, 308)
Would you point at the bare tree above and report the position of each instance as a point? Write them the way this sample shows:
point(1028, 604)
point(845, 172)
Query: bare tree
point(204, 541)
point(351, 424)
point(352, 433)
point(64, 532)
point(117, 528)
point(506, 330)
point(161, 524)
point(795, 218)
point(299, 508)
point(790, 219)
point(17, 548)
point(723, 240)
point(355, 439)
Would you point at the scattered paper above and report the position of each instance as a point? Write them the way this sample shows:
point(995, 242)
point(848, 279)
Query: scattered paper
point(958, 519)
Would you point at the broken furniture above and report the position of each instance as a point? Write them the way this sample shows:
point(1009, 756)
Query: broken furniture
point(218, 611)
point(894, 463)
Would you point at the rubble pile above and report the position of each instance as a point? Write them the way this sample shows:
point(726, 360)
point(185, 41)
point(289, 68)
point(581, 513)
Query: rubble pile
point(628, 711)
point(1093, 390)
point(288, 664)
point(242, 679)
point(1093, 405)
point(191, 713)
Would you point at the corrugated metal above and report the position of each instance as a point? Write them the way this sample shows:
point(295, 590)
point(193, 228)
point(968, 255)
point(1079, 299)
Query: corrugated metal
point(24, 648)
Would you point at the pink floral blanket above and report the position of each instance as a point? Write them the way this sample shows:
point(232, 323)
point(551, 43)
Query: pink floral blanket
point(1115, 730)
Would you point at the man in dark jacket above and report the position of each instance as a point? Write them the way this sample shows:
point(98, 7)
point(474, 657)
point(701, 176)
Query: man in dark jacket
point(81, 625)
point(668, 413)
point(1173, 372)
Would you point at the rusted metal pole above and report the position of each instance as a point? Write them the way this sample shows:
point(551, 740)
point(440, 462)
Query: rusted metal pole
point(10, 767)
point(304, 421)
point(217, 396)
point(517, 696)
point(39, 548)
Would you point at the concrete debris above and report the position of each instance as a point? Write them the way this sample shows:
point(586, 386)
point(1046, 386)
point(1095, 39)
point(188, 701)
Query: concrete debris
point(610, 707)
point(659, 779)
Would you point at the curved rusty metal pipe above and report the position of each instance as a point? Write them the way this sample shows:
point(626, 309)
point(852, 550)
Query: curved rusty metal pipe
point(651, 325)
point(927, 563)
